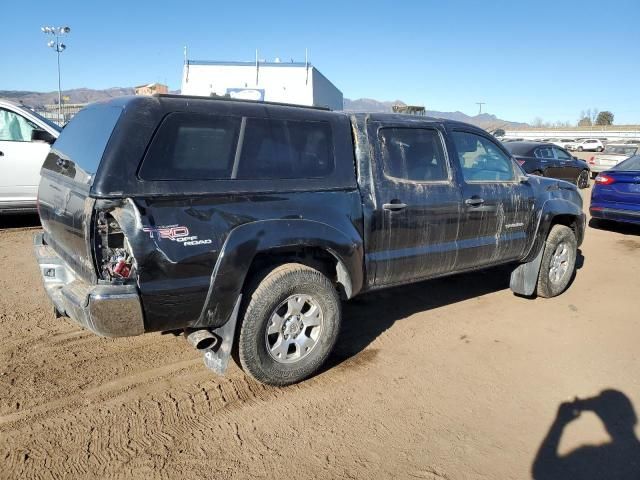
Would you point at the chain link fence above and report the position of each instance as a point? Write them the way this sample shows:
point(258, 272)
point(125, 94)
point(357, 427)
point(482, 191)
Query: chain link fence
point(51, 112)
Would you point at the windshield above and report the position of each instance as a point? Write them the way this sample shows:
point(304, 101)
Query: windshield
point(620, 150)
point(632, 164)
point(40, 117)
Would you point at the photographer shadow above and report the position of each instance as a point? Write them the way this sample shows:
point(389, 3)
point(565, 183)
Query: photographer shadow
point(619, 458)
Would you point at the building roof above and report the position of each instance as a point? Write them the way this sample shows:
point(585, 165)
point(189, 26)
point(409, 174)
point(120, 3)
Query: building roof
point(149, 85)
point(249, 64)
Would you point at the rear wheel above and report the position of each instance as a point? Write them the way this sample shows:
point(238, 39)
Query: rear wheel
point(291, 322)
point(580, 149)
point(599, 149)
point(583, 179)
point(558, 261)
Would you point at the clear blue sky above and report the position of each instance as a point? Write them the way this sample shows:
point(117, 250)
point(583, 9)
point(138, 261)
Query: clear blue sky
point(525, 59)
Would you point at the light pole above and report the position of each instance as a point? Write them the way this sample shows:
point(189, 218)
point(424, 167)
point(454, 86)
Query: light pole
point(59, 47)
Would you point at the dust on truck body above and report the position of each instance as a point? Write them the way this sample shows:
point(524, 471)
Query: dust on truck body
point(247, 223)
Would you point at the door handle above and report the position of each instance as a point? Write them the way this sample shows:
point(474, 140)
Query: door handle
point(474, 201)
point(394, 206)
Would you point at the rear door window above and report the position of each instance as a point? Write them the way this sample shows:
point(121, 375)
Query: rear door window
point(414, 154)
point(544, 152)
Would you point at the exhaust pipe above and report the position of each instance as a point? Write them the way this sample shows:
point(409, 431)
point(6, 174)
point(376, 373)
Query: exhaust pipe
point(200, 339)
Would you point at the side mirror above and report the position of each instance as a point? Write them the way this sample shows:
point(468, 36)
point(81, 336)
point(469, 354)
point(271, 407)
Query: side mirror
point(38, 135)
point(576, 158)
point(523, 178)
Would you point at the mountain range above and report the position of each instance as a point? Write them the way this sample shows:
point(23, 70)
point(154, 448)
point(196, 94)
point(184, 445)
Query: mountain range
point(88, 95)
point(483, 120)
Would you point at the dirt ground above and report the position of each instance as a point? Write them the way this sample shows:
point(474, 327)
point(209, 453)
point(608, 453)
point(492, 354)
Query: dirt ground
point(447, 379)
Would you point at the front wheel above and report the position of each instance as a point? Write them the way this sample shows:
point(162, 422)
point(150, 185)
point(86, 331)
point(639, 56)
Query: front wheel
point(558, 261)
point(291, 323)
point(583, 179)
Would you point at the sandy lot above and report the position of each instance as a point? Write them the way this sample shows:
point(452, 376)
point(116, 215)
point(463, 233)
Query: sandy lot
point(447, 379)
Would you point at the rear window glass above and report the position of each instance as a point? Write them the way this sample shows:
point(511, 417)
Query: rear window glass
point(414, 154)
point(518, 148)
point(192, 147)
point(632, 164)
point(84, 138)
point(209, 147)
point(286, 149)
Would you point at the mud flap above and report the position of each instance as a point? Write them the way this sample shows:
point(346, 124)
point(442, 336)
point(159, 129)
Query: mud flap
point(217, 357)
point(524, 278)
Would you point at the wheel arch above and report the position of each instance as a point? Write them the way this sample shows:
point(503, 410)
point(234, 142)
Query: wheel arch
point(255, 246)
point(554, 212)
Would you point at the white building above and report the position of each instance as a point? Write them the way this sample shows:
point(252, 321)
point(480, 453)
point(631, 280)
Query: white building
point(296, 82)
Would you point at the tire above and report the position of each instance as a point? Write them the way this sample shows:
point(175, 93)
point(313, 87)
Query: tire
point(290, 295)
point(599, 149)
point(558, 261)
point(582, 181)
point(580, 149)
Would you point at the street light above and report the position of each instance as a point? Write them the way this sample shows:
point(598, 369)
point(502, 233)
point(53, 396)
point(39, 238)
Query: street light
point(59, 47)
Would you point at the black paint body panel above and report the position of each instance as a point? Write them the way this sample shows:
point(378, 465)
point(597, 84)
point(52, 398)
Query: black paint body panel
point(195, 283)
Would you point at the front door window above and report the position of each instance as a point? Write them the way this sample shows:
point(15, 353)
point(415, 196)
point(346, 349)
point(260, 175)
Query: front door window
point(14, 127)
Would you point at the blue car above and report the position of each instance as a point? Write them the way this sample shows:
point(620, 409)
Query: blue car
point(616, 193)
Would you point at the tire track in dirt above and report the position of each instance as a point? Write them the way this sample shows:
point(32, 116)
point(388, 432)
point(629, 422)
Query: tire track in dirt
point(107, 427)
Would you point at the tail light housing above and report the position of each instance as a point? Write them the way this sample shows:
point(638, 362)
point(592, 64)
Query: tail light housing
point(602, 179)
point(112, 251)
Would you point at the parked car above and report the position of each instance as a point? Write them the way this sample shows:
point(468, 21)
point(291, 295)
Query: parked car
point(587, 145)
point(549, 160)
point(176, 212)
point(25, 138)
point(562, 142)
point(616, 193)
point(613, 154)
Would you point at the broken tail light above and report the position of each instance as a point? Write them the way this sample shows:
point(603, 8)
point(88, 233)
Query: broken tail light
point(114, 260)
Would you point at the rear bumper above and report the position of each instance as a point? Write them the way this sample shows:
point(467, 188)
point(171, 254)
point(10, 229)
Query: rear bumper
point(615, 214)
point(108, 310)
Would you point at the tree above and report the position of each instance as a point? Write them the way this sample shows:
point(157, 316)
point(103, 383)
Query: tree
point(605, 118)
point(585, 122)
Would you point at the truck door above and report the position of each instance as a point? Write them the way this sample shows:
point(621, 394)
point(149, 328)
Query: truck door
point(495, 225)
point(417, 204)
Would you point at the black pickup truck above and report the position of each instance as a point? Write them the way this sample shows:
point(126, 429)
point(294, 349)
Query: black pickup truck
point(246, 223)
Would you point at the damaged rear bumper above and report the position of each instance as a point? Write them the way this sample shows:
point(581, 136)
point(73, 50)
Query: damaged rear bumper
point(108, 310)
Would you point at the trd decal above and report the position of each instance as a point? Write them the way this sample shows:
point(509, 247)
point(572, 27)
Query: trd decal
point(177, 233)
point(171, 232)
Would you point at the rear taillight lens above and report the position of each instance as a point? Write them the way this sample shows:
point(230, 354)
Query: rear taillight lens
point(520, 162)
point(605, 179)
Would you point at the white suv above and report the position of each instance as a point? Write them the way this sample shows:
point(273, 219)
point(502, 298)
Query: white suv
point(25, 139)
point(587, 145)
